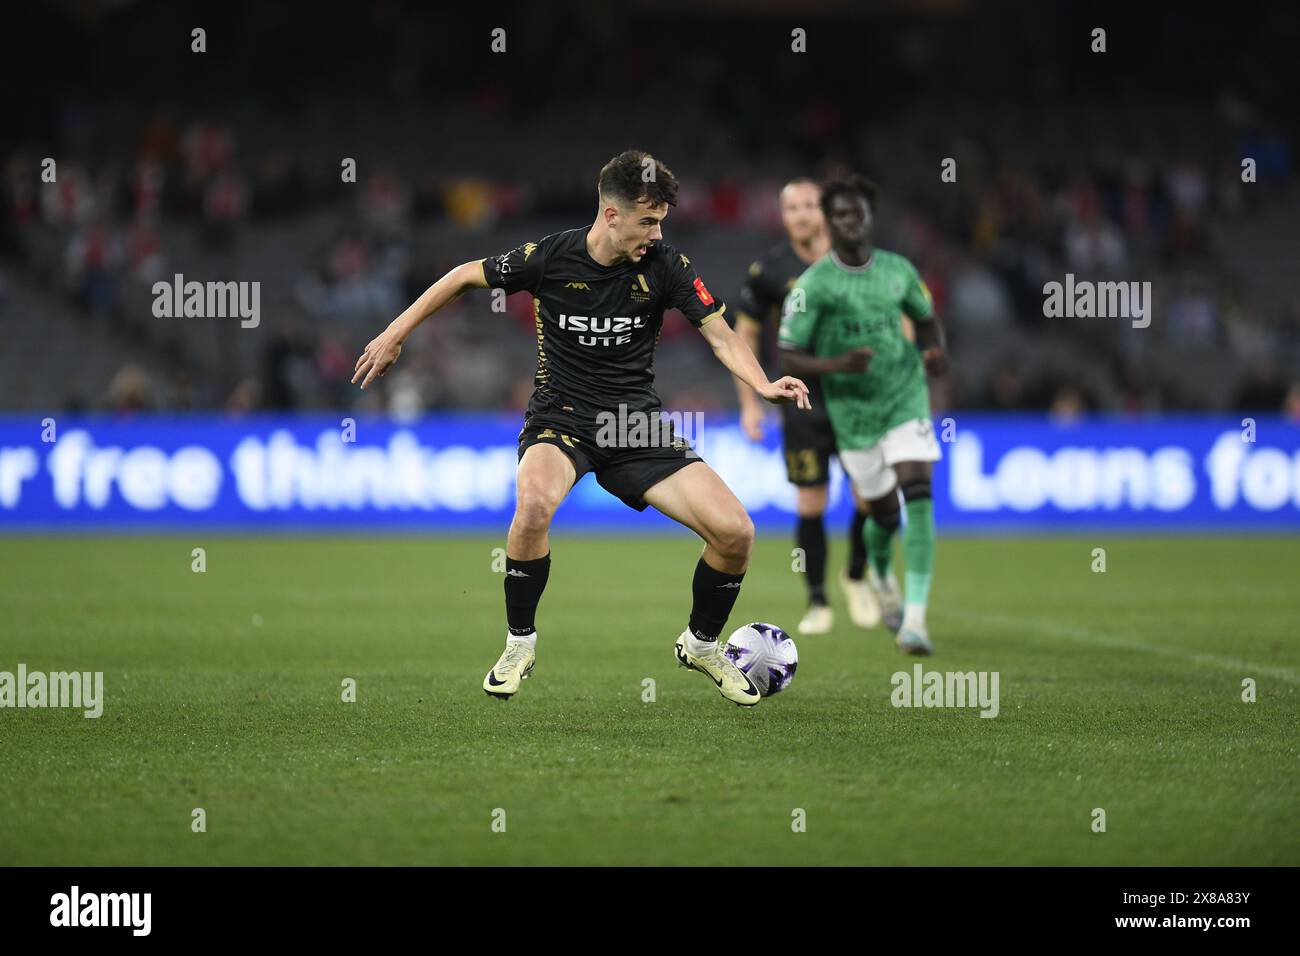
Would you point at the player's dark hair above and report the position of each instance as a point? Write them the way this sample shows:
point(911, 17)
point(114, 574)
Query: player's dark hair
point(854, 185)
point(633, 175)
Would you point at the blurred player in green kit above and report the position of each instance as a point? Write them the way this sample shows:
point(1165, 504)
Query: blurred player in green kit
point(843, 321)
point(807, 437)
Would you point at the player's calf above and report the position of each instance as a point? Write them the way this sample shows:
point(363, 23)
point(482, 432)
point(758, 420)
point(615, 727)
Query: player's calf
point(714, 594)
point(544, 477)
point(918, 549)
point(699, 499)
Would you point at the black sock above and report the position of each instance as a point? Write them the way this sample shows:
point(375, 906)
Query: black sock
point(810, 535)
point(858, 545)
point(715, 595)
point(525, 581)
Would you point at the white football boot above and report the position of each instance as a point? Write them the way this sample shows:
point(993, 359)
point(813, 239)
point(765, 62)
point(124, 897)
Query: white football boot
point(707, 658)
point(513, 666)
point(864, 609)
point(818, 619)
point(890, 598)
point(914, 640)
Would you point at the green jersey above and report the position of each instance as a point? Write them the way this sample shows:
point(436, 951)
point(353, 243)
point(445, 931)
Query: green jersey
point(835, 308)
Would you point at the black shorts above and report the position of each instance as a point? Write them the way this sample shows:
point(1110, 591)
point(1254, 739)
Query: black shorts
point(809, 443)
point(625, 472)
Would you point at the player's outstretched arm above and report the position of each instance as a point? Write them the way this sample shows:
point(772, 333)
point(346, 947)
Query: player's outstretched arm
point(384, 348)
point(733, 352)
point(799, 362)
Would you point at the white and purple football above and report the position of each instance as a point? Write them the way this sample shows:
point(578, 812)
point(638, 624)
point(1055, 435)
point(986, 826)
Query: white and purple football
point(766, 653)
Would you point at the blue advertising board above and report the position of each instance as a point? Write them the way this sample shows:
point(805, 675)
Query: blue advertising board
point(456, 472)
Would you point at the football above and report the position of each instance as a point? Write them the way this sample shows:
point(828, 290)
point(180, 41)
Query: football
point(766, 653)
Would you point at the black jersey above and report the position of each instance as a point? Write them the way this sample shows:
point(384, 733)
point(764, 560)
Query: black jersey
point(771, 276)
point(597, 326)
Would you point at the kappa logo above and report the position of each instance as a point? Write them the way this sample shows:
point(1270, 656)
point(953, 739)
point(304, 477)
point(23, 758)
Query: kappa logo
point(503, 260)
point(577, 285)
point(516, 573)
point(733, 584)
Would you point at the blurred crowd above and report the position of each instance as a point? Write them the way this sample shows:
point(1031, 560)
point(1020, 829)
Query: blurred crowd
point(1128, 188)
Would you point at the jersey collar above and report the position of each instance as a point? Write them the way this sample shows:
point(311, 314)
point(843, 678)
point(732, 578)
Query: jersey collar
point(871, 259)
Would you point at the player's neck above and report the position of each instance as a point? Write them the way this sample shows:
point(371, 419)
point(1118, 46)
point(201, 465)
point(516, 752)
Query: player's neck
point(601, 252)
point(812, 248)
point(854, 256)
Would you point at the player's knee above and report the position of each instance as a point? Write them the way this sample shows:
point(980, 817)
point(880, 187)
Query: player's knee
point(885, 511)
point(734, 536)
point(916, 489)
point(810, 501)
point(535, 506)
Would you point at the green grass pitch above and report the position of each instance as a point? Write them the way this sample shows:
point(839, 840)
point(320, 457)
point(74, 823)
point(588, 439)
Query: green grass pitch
point(1119, 690)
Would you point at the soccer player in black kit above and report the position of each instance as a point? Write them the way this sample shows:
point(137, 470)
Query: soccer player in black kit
point(599, 295)
point(807, 437)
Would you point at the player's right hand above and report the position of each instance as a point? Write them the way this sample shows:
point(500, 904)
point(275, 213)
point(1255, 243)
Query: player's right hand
point(751, 422)
point(857, 360)
point(377, 358)
point(787, 388)
point(935, 361)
